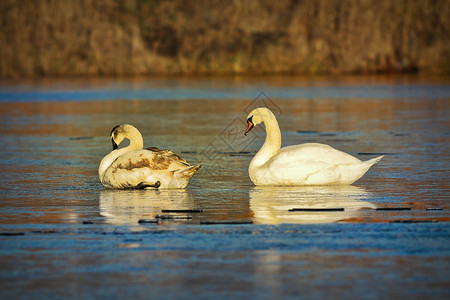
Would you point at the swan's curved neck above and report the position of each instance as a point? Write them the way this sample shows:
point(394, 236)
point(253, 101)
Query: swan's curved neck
point(136, 143)
point(273, 141)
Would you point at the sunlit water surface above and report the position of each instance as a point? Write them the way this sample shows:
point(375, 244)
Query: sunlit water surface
point(54, 211)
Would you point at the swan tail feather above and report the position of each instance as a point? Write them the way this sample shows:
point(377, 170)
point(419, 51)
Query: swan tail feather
point(358, 170)
point(183, 176)
point(373, 161)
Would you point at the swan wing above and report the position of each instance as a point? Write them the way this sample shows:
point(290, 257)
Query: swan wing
point(306, 164)
point(298, 172)
point(167, 153)
point(149, 159)
point(312, 153)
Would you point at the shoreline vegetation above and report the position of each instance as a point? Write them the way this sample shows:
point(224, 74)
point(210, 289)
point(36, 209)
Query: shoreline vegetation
point(138, 37)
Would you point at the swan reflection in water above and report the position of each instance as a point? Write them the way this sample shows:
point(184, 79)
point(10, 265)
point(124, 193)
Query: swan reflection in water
point(271, 204)
point(129, 206)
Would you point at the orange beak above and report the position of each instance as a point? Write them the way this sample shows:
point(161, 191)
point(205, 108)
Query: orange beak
point(249, 125)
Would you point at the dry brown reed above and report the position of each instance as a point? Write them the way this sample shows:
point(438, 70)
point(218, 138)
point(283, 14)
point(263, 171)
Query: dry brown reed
point(136, 37)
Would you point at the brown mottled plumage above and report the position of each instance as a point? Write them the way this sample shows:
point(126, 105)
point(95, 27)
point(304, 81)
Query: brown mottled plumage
point(169, 153)
point(134, 167)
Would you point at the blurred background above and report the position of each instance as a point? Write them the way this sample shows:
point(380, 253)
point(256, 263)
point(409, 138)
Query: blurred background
point(139, 37)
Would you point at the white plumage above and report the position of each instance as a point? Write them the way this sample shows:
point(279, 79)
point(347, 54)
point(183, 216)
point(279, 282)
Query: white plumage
point(305, 164)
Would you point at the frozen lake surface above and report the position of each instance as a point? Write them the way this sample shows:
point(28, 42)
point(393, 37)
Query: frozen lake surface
point(62, 235)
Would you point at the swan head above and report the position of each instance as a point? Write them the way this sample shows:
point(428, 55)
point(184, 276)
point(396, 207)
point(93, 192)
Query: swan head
point(123, 131)
point(256, 116)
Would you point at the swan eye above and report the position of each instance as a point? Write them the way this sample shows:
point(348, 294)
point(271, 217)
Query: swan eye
point(249, 125)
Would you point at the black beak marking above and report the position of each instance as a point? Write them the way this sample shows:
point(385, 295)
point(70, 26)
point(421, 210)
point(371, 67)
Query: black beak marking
point(115, 146)
point(250, 125)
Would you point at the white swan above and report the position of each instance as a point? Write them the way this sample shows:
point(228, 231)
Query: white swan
point(305, 164)
point(135, 168)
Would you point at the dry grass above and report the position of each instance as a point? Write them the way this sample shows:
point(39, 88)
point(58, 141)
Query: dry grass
point(135, 37)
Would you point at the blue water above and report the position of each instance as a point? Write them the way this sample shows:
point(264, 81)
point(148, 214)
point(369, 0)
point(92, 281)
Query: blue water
point(315, 261)
point(63, 235)
point(212, 89)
